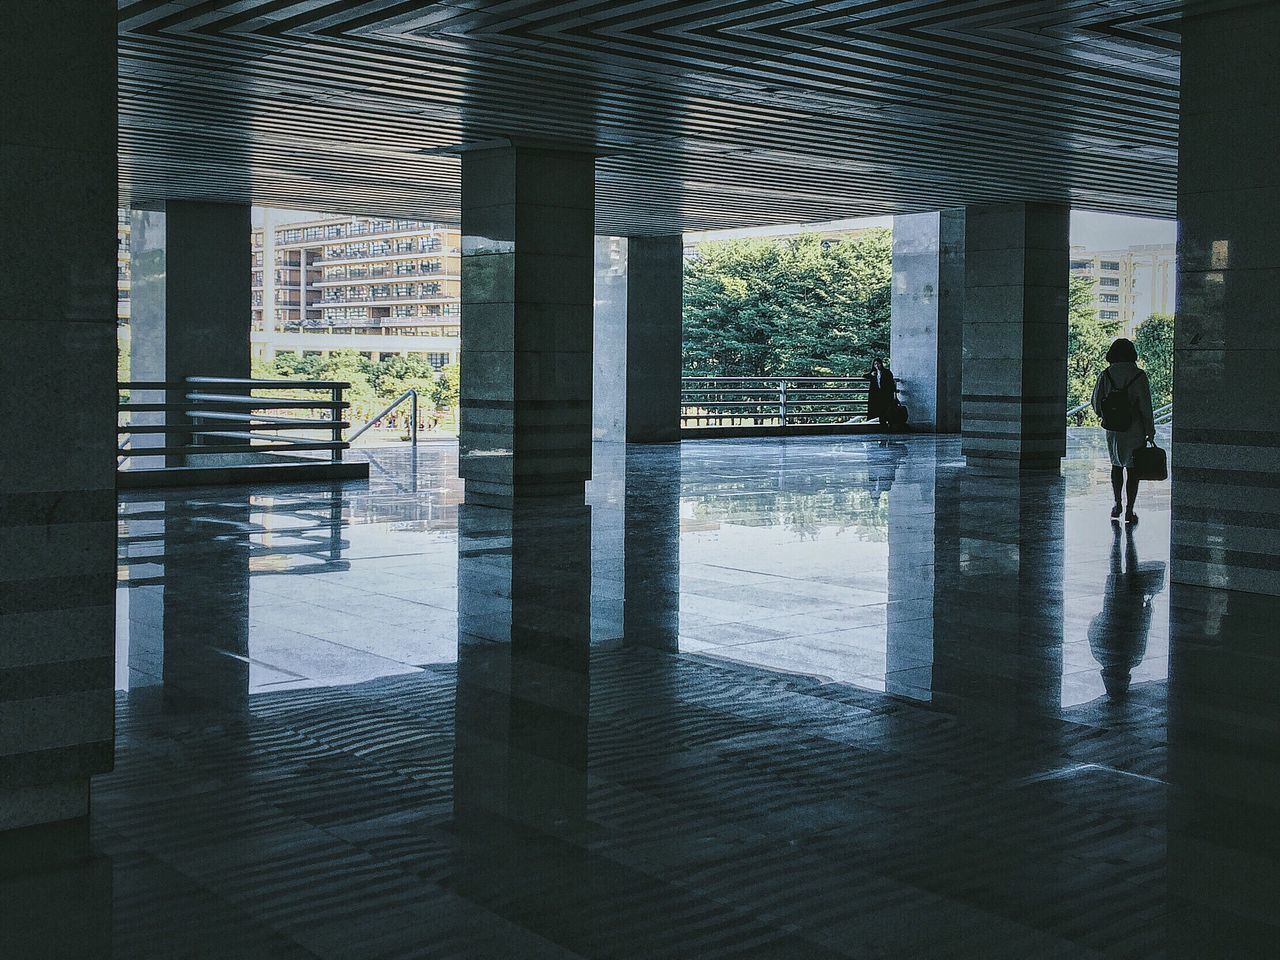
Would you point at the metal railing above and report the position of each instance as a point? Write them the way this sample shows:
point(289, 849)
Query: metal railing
point(221, 415)
point(771, 401)
point(412, 396)
point(1163, 415)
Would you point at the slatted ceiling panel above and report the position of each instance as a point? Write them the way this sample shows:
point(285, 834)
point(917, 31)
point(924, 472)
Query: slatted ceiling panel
point(705, 114)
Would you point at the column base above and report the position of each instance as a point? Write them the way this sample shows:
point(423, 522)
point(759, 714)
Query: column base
point(31, 806)
point(507, 496)
point(666, 435)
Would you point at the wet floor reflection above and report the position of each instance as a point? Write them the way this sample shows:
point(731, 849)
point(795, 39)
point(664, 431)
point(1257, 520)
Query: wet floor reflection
point(827, 698)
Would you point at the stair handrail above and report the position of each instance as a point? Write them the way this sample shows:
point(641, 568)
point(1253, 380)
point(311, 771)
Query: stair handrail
point(412, 396)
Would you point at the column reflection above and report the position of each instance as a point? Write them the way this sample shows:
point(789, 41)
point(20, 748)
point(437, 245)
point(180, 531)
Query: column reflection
point(1224, 774)
point(998, 598)
point(523, 691)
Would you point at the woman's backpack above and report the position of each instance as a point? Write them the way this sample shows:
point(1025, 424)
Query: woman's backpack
point(1117, 405)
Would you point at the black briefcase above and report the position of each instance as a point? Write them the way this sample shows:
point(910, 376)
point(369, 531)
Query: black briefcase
point(1149, 463)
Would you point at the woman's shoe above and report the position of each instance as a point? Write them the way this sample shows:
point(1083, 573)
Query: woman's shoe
point(1116, 511)
point(1130, 517)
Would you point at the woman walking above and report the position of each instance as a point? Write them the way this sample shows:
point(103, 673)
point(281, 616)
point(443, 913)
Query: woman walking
point(1122, 400)
point(882, 394)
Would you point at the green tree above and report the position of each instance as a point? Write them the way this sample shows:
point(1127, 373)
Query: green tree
point(793, 307)
point(1154, 340)
point(1087, 341)
point(446, 391)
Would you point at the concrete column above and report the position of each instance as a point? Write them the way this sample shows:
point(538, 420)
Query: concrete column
point(1014, 402)
point(192, 291)
point(57, 472)
point(192, 299)
point(1226, 445)
point(609, 372)
point(527, 266)
point(927, 326)
point(655, 305)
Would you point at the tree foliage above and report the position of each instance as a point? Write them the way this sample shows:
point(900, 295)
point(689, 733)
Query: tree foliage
point(792, 307)
point(1154, 340)
point(1088, 339)
point(374, 383)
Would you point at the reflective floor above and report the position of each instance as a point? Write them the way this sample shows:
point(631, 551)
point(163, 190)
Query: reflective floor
point(805, 698)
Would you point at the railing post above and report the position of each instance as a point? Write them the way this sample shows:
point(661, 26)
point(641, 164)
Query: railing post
point(413, 413)
point(336, 416)
point(782, 402)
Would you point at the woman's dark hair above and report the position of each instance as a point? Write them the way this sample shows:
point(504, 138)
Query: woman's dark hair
point(1122, 351)
point(877, 360)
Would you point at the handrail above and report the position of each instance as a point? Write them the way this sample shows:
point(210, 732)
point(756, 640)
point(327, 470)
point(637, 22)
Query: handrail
point(274, 384)
point(241, 423)
point(772, 400)
point(412, 395)
point(1074, 410)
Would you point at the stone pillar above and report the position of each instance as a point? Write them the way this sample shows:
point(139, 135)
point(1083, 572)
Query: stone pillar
point(609, 371)
point(927, 325)
point(192, 291)
point(57, 473)
point(655, 310)
point(1226, 445)
point(527, 266)
point(192, 297)
point(1014, 402)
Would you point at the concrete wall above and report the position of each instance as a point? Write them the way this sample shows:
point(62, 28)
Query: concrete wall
point(57, 474)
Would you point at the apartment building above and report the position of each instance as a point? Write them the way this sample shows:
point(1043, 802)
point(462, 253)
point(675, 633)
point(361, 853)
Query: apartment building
point(124, 278)
point(379, 286)
point(1129, 284)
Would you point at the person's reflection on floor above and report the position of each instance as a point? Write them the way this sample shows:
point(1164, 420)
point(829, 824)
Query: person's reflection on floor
point(1118, 635)
point(882, 467)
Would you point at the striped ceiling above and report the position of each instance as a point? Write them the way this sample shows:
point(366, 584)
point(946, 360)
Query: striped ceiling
point(705, 114)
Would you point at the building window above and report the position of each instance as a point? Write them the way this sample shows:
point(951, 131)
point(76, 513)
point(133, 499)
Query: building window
point(438, 360)
point(1109, 264)
point(1109, 298)
point(1109, 282)
point(1109, 314)
point(1081, 264)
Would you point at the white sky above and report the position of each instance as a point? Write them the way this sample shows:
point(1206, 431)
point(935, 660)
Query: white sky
point(1109, 231)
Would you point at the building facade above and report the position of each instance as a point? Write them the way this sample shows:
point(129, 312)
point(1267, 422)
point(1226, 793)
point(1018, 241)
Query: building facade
point(379, 286)
point(1130, 284)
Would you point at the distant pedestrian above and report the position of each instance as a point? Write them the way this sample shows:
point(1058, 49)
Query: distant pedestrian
point(1122, 401)
point(882, 393)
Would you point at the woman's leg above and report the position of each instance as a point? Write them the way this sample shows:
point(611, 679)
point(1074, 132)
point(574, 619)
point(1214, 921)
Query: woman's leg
point(1130, 490)
point(1117, 481)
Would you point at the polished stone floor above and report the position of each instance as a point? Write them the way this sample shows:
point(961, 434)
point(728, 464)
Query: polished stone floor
point(806, 698)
